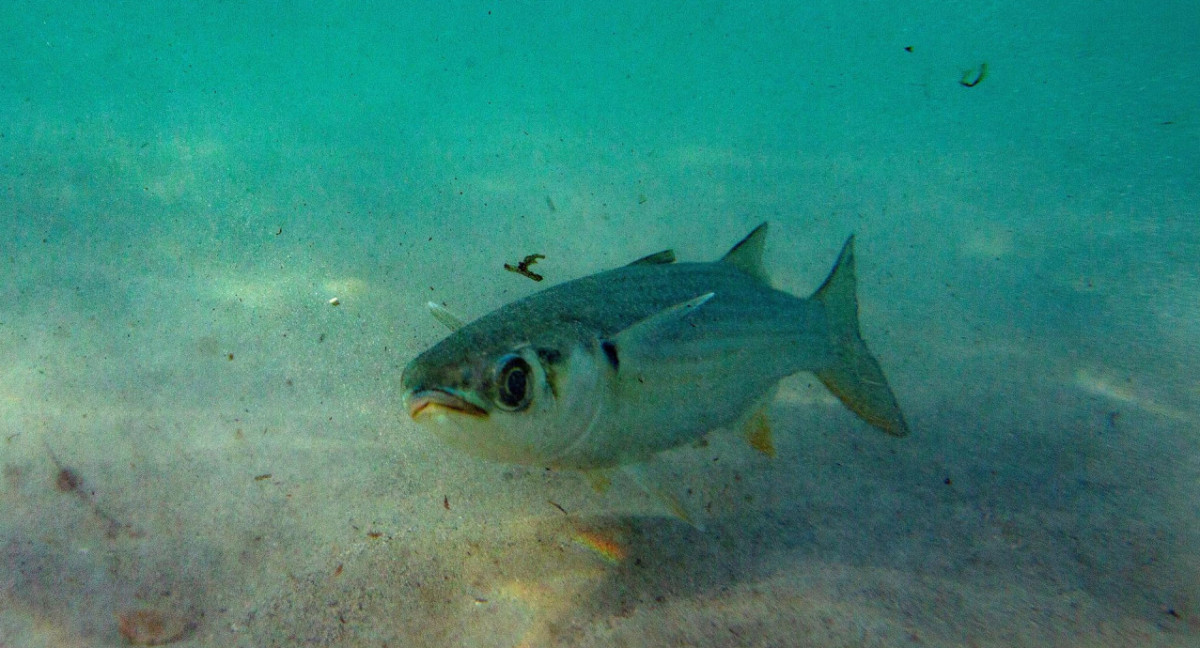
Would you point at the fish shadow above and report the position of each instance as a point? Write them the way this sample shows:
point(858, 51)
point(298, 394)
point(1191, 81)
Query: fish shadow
point(922, 528)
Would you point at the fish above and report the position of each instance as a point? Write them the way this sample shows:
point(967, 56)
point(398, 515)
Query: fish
point(610, 369)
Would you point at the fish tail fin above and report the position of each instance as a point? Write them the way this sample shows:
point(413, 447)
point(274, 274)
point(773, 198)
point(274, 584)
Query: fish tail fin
point(854, 375)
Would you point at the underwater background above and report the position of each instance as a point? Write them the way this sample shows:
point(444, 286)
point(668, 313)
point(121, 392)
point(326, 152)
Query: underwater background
point(199, 447)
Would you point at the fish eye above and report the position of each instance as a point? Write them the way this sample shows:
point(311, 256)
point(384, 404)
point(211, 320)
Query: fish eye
point(512, 383)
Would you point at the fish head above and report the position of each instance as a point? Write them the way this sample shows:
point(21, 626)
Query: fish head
point(516, 403)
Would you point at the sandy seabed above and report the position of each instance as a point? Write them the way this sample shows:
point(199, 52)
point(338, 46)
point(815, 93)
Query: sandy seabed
point(198, 448)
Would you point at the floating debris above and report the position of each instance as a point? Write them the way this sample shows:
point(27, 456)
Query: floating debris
point(973, 76)
point(522, 268)
point(68, 480)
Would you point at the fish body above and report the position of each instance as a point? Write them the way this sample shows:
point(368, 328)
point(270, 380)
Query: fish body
point(609, 369)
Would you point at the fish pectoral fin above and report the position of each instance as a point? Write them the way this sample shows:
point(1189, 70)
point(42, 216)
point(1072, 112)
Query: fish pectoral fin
point(443, 315)
point(658, 258)
point(647, 333)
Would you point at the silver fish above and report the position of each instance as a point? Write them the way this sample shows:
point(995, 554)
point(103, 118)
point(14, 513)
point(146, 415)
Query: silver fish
point(609, 369)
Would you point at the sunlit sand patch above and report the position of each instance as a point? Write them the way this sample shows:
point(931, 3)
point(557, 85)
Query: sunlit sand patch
point(179, 168)
point(554, 564)
point(172, 185)
point(275, 290)
point(1105, 386)
point(709, 156)
point(500, 184)
point(260, 291)
point(1175, 303)
point(9, 397)
point(56, 632)
point(344, 287)
point(551, 594)
point(990, 242)
point(1123, 391)
point(548, 600)
point(796, 393)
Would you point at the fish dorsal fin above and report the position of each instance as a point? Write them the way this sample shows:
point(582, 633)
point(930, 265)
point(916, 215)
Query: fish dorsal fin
point(658, 258)
point(747, 254)
point(443, 315)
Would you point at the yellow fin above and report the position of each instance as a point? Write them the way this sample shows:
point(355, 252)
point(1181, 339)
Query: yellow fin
point(599, 480)
point(758, 433)
point(854, 375)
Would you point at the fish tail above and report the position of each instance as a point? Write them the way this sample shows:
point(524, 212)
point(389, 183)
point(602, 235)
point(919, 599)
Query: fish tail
point(854, 375)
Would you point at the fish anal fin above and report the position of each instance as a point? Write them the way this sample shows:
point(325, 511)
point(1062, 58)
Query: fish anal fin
point(758, 433)
point(747, 254)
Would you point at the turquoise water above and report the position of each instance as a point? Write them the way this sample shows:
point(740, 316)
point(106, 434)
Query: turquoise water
point(189, 428)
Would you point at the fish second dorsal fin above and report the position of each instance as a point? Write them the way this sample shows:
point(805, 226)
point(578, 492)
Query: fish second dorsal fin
point(658, 258)
point(747, 254)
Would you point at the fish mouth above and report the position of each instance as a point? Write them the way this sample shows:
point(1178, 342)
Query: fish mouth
point(426, 402)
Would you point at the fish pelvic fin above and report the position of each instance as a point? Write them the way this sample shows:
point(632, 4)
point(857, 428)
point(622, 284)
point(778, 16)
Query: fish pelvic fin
point(758, 433)
point(854, 375)
point(598, 479)
point(747, 254)
point(443, 315)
